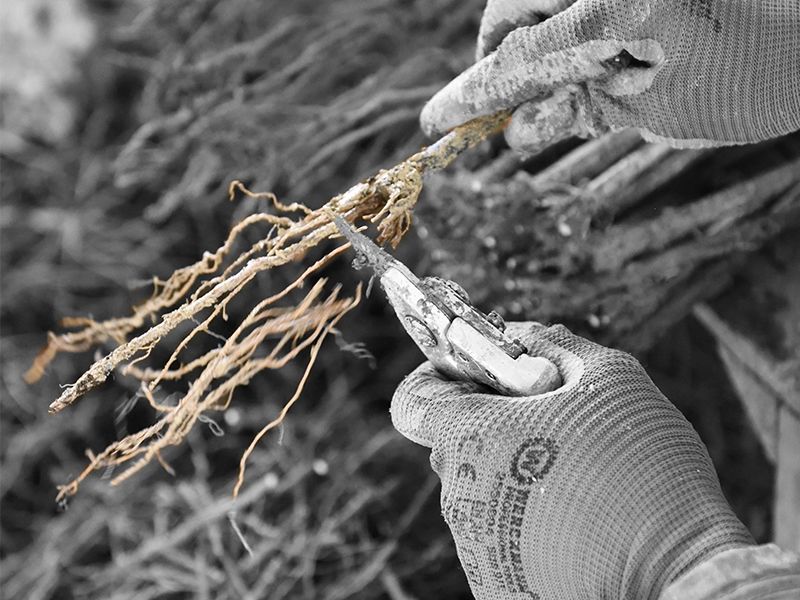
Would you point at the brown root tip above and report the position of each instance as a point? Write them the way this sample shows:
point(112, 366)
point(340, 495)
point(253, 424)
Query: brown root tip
point(33, 374)
point(43, 358)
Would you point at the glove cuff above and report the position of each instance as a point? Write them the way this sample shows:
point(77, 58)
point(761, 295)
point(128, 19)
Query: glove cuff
point(740, 574)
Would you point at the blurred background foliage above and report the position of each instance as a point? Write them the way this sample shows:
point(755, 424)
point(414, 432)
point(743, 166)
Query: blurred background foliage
point(120, 134)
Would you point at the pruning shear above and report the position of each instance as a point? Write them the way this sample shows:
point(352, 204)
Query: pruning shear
point(461, 342)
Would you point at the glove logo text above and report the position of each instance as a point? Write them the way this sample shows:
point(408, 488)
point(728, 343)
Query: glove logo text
point(533, 459)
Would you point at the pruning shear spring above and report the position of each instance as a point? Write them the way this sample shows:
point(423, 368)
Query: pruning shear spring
point(461, 342)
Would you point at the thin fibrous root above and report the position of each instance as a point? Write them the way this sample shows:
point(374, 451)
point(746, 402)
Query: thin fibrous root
point(294, 331)
point(208, 286)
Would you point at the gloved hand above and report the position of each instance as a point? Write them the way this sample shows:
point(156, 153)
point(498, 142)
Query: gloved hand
point(689, 72)
point(600, 489)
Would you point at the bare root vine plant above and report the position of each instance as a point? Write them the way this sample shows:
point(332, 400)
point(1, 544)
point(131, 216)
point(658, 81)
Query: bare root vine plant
point(271, 334)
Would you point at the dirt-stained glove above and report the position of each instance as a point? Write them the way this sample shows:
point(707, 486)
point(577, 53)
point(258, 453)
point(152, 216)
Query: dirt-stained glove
point(600, 489)
point(689, 72)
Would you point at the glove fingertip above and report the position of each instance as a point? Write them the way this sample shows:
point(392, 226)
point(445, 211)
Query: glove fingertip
point(410, 404)
point(428, 119)
point(465, 98)
point(426, 401)
point(444, 111)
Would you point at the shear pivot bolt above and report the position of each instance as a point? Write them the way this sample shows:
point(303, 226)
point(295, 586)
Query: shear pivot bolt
point(420, 332)
point(457, 290)
point(495, 319)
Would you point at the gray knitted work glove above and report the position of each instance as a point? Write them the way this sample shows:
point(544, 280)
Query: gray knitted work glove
point(600, 489)
point(689, 72)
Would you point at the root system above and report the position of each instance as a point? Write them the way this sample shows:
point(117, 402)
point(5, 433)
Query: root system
point(270, 336)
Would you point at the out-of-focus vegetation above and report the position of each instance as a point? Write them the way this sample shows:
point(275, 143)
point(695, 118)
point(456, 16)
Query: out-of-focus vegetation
point(170, 103)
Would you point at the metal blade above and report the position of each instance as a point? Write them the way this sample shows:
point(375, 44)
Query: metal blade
point(368, 253)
